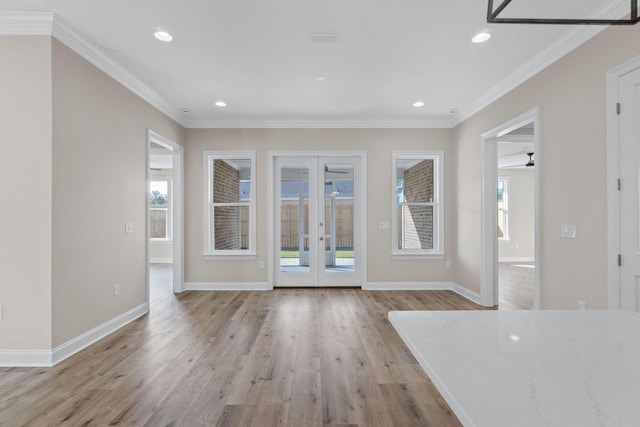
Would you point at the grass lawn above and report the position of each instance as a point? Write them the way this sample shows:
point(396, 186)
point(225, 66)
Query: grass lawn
point(339, 254)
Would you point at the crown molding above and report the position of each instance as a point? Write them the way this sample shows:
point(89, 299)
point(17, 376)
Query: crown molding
point(318, 124)
point(46, 23)
point(26, 23)
point(104, 62)
point(571, 40)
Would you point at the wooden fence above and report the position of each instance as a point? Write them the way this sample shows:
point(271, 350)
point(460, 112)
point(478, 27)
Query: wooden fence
point(344, 223)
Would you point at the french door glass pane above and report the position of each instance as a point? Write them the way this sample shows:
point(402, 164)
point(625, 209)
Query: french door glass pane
point(338, 217)
point(294, 218)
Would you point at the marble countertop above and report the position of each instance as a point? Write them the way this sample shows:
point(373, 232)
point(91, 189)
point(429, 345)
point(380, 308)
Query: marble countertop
point(530, 368)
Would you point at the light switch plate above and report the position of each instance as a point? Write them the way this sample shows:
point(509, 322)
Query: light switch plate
point(383, 225)
point(128, 228)
point(568, 231)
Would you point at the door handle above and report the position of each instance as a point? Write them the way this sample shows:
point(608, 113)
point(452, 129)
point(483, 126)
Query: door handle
point(321, 224)
point(322, 238)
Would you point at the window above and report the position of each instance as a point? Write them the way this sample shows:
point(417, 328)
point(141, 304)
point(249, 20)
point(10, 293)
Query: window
point(230, 225)
point(417, 215)
point(160, 208)
point(503, 208)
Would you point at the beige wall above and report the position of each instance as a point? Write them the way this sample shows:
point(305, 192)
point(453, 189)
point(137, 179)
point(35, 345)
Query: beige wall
point(99, 184)
point(521, 214)
point(25, 173)
point(378, 143)
point(571, 96)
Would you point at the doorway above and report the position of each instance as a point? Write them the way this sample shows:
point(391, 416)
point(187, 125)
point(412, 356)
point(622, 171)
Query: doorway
point(510, 214)
point(623, 160)
point(164, 215)
point(317, 220)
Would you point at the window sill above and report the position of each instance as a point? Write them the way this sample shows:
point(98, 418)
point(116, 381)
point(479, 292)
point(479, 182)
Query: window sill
point(229, 256)
point(404, 255)
point(160, 241)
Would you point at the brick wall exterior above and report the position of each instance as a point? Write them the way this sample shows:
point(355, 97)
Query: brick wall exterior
point(417, 221)
point(226, 219)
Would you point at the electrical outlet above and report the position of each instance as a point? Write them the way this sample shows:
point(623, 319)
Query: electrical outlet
point(1, 313)
point(448, 263)
point(582, 305)
point(128, 228)
point(116, 289)
point(261, 265)
point(383, 225)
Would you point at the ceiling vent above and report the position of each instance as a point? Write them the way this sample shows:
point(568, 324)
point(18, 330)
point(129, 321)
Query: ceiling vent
point(323, 36)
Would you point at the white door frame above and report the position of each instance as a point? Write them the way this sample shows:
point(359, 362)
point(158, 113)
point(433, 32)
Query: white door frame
point(613, 173)
point(177, 222)
point(360, 236)
point(489, 238)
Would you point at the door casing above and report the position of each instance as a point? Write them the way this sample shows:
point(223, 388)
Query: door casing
point(360, 220)
point(613, 174)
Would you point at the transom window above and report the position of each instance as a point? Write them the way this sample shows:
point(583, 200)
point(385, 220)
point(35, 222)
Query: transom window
point(417, 215)
point(229, 204)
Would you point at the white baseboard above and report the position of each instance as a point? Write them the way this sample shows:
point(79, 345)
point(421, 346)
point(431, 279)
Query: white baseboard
point(48, 358)
point(160, 260)
point(468, 294)
point(83, 341)
point(226, 286)
point(516, 259)
point(408, 286)
point(25, 358)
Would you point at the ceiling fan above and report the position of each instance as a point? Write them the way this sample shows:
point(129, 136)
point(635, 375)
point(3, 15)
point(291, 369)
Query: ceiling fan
point(529, 164)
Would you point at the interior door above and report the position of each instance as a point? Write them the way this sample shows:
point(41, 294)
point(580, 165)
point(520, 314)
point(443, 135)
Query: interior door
point(629, 96)
point(316, 229)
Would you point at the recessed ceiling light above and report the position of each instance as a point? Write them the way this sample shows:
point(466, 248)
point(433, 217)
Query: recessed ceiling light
point(220, 104)
point(481, 37)
point(163, 36)
point(321, 78)
point(185, 110)
point(418, 104)
point(453, 110)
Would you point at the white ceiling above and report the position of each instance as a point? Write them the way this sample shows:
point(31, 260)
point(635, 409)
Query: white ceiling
point(256, 55)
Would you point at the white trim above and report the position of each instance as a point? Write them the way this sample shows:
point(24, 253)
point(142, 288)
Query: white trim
point(208, 250)
point(25, 358)
point(319, 124)
point(438, 250)
point(48, 358)
point(83, 341)
point(613, 173)
point(467, 293)
point(227, 286)
point(26, 23)
point(361, 181)
point(89, 51)
point(489, 239)
point(568, 42)
point(161, 260)
point(516, 259)
point(160, 242)
point(177, 209)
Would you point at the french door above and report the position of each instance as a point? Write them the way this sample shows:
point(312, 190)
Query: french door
point(317, 209)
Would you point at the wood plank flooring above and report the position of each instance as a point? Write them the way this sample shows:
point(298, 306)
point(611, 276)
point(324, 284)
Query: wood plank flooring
point(288, 357)
point(517, 285)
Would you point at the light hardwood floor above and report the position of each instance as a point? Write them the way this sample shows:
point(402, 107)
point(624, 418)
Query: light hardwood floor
point(294, 357)
point(517, 285)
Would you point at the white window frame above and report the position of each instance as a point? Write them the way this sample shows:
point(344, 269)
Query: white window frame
point(505, 209)
point(169, 182)
point(438, 203)
point(209, 252)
